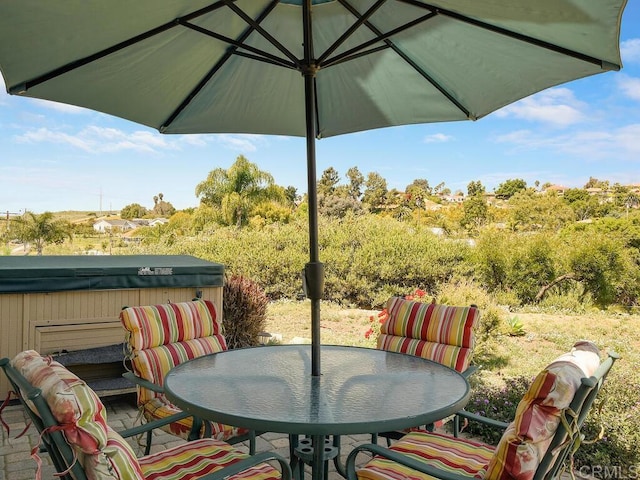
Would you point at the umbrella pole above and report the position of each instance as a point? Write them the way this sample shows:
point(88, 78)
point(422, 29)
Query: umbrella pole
point(314, 270)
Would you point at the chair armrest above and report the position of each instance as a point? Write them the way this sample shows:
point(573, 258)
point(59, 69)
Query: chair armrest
point(469, 371)
point(148, 426)
point(132, 377)
point(251, 461)
point(497, 424)
point(399, 458)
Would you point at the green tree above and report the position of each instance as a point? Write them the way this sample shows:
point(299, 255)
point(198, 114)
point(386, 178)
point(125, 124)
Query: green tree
point(375, 193)
point(475, 188)
point(530, 211)
point(133, 210)
point(328, 181)
point(418, 192)
point(41, 229)
point(584, 205)
point(237, 191)
point(356, 181)
point(509, 188)
point(624, 198)
point(291, 194)
point(162, 208)
point(476, 213)
point(595, 183)
point(597, 261)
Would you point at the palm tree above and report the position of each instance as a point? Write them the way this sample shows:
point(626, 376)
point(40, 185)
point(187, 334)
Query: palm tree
point(238, 190)
point(41, 229)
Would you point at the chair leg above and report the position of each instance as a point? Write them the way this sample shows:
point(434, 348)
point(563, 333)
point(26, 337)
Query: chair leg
point(194, 434)
point(147, 447)
point(297, 465)
point(252, 442)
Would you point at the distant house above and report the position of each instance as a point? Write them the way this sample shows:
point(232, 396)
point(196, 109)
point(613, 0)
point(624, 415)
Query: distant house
point(459, 198)
point(558, 189)
point(104, 225)
point(158, 221)
point(595, 191)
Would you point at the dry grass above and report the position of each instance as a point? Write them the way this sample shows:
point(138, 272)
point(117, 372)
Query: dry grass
point(338, 326)
point(546, 336)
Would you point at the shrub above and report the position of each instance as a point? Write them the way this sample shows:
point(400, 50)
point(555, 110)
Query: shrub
point(467, 292)
point(245, 309)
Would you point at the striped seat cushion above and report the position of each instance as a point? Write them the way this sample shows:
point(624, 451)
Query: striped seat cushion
point(441, 333)
point(73, 404)
point(189, 461)
point(455, 455)
point(192, 460)
point(160, 407)
point(153, 364)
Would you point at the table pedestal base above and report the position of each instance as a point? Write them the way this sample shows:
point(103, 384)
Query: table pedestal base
point(304, 452)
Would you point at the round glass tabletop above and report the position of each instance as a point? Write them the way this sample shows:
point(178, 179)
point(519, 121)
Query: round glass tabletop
point(361, 390)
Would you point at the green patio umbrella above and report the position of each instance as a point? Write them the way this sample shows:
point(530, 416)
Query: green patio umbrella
point(312, 68)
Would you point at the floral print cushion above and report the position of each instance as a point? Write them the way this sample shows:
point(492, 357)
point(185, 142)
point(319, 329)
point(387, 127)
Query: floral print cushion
point(73, 404)
point(526, 440)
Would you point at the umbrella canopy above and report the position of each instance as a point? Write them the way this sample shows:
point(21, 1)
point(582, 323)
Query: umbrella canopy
point(312, 68)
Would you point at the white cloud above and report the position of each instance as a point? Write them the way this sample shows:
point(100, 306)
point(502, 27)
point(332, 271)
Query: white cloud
point(630, 86)
point(556, 106)
point(438, 138)
point(620, 143)
point(241, 142)
point(100, 140)
point(630, 50)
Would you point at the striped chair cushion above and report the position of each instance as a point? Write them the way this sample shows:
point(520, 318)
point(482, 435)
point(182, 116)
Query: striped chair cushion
point(526, 440)
point(163, 336)
point(455, 455)
point(452, 356)
point(154, 325)
point(73, 404)
point(153, 364)
point(116, 461)
point(192, 460)
point(441, 333)
point(160, 407)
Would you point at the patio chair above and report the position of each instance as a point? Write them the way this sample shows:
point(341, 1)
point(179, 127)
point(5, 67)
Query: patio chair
point(159, 337)
point(536, 445)
point(442, 333)
point(72, 422)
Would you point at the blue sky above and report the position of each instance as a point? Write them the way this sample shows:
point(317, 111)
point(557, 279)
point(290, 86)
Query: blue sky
point(57, 157)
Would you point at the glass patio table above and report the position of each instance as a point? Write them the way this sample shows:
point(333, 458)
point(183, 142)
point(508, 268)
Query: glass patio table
point(361, 390)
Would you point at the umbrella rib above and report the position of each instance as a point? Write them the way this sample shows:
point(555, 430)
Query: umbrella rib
point(227, 55)
point(351, 30)
point(354, 56)
point(25, 86)
point(379, 35)
point(605, 65)
point(256, 26)
point(385, 38)
point(260, 54)
point(275, 61)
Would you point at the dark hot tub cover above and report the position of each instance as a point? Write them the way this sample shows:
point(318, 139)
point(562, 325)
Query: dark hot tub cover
point(76, 272)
